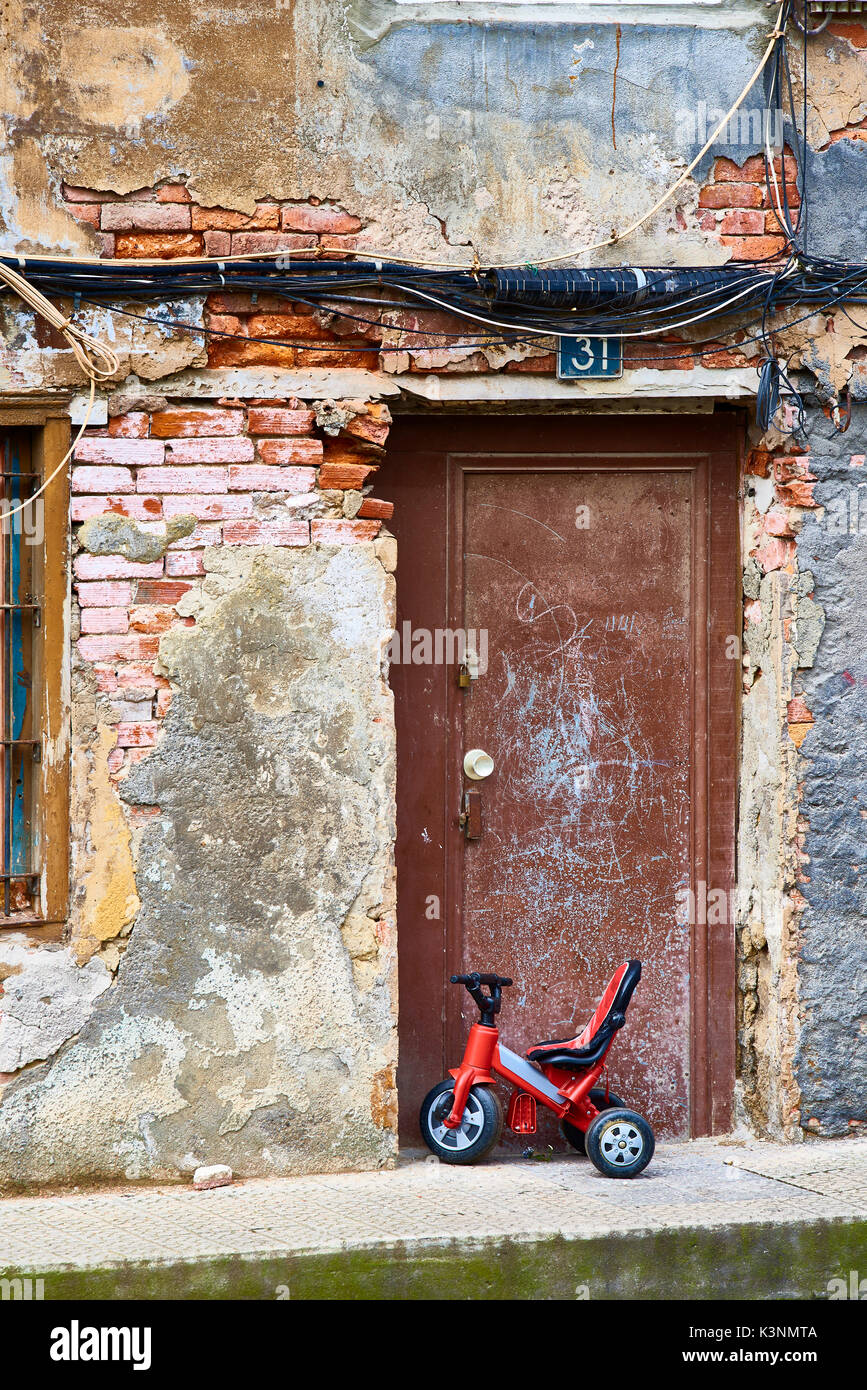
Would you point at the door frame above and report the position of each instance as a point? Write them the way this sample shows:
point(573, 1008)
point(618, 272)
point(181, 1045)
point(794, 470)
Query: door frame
point(709, 448)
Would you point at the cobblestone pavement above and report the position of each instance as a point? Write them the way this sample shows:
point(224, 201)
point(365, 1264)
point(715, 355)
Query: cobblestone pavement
point(708, 1183)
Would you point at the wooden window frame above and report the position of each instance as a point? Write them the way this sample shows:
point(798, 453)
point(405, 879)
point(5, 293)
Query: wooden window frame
point(49, 427)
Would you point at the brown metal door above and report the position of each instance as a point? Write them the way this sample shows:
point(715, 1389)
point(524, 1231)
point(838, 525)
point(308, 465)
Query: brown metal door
point(593, 569)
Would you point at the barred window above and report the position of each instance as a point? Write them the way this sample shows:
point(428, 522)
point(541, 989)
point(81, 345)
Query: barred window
point(34, 827)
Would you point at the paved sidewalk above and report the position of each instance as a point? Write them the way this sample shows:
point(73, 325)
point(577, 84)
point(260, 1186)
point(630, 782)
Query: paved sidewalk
point(423, 1204)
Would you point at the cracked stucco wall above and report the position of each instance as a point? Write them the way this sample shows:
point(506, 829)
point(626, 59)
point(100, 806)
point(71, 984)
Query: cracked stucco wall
point(831, 1061)
point(252, 1020)
point(801, 912)
point(500, 135)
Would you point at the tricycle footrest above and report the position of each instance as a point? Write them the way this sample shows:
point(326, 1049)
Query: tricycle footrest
point(522, 1113)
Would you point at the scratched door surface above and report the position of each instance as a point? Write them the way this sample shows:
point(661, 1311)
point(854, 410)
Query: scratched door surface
point(581, 580)
point(594, 567)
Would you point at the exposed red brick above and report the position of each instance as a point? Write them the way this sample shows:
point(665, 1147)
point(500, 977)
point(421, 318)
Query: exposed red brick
point(132, 426)
point(267, 532)
point(325, 357)
point(796, 494)
point(218, 244)
point(265, 478)
point(774, 554)
point(114, 567)
point(140, 735)
point(130, 646)
point(753, 611)
point(160, 590)
point(292, 326)
point(545, 363)
point(104, 620)
point(797, 711)
point(277, 420)
point(265, 243)
point(173, 193)
point(104, 595)
point(101, 479)
point(338, 246)
point(776, 523)
point(343, 475)
point(339, 532)
point(793, 197)
point(185, 562)
point(224, 449)
point(752, 170)
point(664, 356)
point(156, 618)
point(724, 358)
point(165, 479)
point(139, 508)
point(374, 507)
point(759, 463)
point(753, 248)
point(282, 451)
point(265, 218)
point(128, 452)
point(182, 423)
point(228, 352)
point(145, 217)
point(163, 246)
point(789, 466)
point(85, 212)
point(138, 675)
point(744, 222)
point(304, 218)
point(373, 426)
point(206, 507)
point(730, 195)
point(73, 194)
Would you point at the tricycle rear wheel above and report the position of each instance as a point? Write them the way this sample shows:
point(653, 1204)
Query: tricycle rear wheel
point(575, 1136)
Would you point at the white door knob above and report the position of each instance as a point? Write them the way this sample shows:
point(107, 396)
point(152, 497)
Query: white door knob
point(478, 764)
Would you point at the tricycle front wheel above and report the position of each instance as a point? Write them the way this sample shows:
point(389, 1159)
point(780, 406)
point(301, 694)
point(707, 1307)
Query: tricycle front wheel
point(478, 1131)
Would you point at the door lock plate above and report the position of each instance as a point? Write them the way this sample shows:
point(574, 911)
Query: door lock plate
point(471, 815)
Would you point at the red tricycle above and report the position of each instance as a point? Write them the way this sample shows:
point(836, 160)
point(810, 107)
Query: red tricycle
point(462, 1119)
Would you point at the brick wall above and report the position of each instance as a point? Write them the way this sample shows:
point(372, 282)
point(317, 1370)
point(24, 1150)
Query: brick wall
point(737, 206)
point(255, 473)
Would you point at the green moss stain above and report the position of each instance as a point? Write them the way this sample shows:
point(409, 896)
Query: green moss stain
point(743, 1262)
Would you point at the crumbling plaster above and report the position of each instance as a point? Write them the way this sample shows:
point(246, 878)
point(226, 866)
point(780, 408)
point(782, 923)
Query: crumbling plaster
point(498, 135)
point(253, 1016)
point(831, 1062)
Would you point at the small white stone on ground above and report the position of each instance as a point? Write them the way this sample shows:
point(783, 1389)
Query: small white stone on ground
point(218, 1175)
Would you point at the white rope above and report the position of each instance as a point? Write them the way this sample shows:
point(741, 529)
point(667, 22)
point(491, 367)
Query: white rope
point(97, 361)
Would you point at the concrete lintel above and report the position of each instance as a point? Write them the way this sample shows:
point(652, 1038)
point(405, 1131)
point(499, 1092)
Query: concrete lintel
point(312, 384)
point(721, 383)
